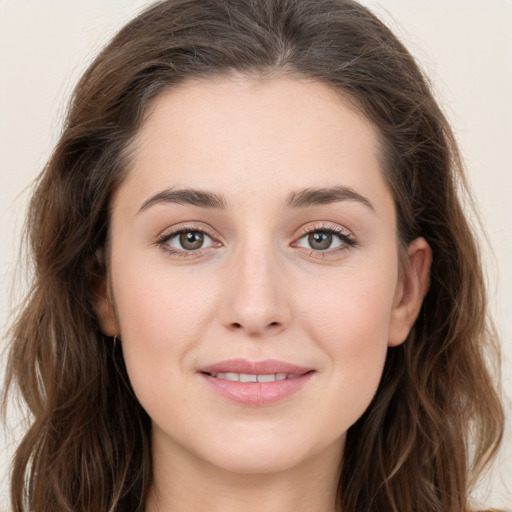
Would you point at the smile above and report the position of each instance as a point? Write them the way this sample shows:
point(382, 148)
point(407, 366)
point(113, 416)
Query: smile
point(251, 377)
point(255, 383)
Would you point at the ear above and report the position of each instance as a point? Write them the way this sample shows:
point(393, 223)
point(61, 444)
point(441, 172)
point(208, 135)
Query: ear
point(104, 306)
point(412, 287)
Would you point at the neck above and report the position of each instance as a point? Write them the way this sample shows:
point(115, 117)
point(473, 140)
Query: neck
point(185, 483)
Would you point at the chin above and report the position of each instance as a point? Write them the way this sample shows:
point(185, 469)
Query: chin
point(269, 454)
point(259, 462)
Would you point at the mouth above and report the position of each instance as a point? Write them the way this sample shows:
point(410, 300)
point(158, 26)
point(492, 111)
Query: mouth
point(252, 377)
point(255, 383)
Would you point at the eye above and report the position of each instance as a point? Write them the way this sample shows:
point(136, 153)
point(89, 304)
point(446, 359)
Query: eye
point(186, 240)
point(325, 240)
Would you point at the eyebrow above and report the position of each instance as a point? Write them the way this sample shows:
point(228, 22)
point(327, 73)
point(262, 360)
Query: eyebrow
point(192, 197)
point(325, 195)
point(298, 199)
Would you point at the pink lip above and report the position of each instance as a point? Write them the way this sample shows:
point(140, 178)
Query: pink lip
point(256, 394)
point(254, 367)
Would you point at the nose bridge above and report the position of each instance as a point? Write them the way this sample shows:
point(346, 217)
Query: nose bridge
point(257, 298)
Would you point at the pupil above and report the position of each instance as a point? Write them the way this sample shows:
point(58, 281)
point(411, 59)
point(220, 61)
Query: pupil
point(191, 240)
point(320, 241)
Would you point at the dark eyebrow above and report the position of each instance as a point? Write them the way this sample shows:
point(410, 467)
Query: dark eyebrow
point(325, 195)
point(190, 196)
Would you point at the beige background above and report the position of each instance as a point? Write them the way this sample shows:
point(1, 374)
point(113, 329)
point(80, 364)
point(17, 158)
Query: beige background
point(465, 46)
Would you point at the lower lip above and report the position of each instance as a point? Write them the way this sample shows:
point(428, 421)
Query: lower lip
point(257, 394)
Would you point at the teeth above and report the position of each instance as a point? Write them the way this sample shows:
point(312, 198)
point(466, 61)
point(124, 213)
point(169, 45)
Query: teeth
point(266, 378)
point(249, 377)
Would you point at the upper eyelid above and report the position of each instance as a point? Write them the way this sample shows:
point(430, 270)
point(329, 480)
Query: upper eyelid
point(324, 226)
point(176, 230)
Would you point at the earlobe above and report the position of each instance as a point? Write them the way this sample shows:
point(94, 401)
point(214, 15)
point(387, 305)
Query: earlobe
point(412, 287)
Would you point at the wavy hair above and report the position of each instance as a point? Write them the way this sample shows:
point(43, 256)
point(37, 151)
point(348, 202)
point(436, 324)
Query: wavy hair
point(436, 418)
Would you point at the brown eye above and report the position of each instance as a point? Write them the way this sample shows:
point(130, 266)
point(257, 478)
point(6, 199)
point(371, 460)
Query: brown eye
point(320, 240)
point(191, 240)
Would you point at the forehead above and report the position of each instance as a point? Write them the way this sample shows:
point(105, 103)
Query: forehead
point(241, 134)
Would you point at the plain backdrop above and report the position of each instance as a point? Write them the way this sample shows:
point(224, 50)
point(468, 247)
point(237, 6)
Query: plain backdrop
point(465, 46)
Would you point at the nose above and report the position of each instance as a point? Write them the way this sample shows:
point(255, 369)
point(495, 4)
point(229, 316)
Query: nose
point(255, 296)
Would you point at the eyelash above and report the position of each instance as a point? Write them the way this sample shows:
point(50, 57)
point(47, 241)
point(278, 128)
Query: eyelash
point(345, 238)
point(163, 241)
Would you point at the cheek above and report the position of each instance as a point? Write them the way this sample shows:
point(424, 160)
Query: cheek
point(163, 317)
point(350, 322)
point(153, 298)
point(353, 311)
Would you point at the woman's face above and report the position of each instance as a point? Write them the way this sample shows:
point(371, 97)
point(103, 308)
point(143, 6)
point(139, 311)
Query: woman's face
point(254, 272)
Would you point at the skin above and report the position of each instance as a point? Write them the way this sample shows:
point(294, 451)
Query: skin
point(257, 289)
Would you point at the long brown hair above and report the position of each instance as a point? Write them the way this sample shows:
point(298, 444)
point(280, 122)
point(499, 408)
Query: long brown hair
point(436, 417)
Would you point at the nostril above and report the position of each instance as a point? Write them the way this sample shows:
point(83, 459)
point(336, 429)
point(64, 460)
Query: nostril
point(237, 325)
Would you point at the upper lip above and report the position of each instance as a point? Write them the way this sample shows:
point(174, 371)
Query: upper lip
point(266, 367)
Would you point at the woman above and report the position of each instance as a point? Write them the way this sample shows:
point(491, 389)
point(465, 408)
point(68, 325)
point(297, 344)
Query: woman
point(254, 281)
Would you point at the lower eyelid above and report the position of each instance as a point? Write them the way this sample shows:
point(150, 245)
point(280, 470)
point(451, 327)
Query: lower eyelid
point(339, 246)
